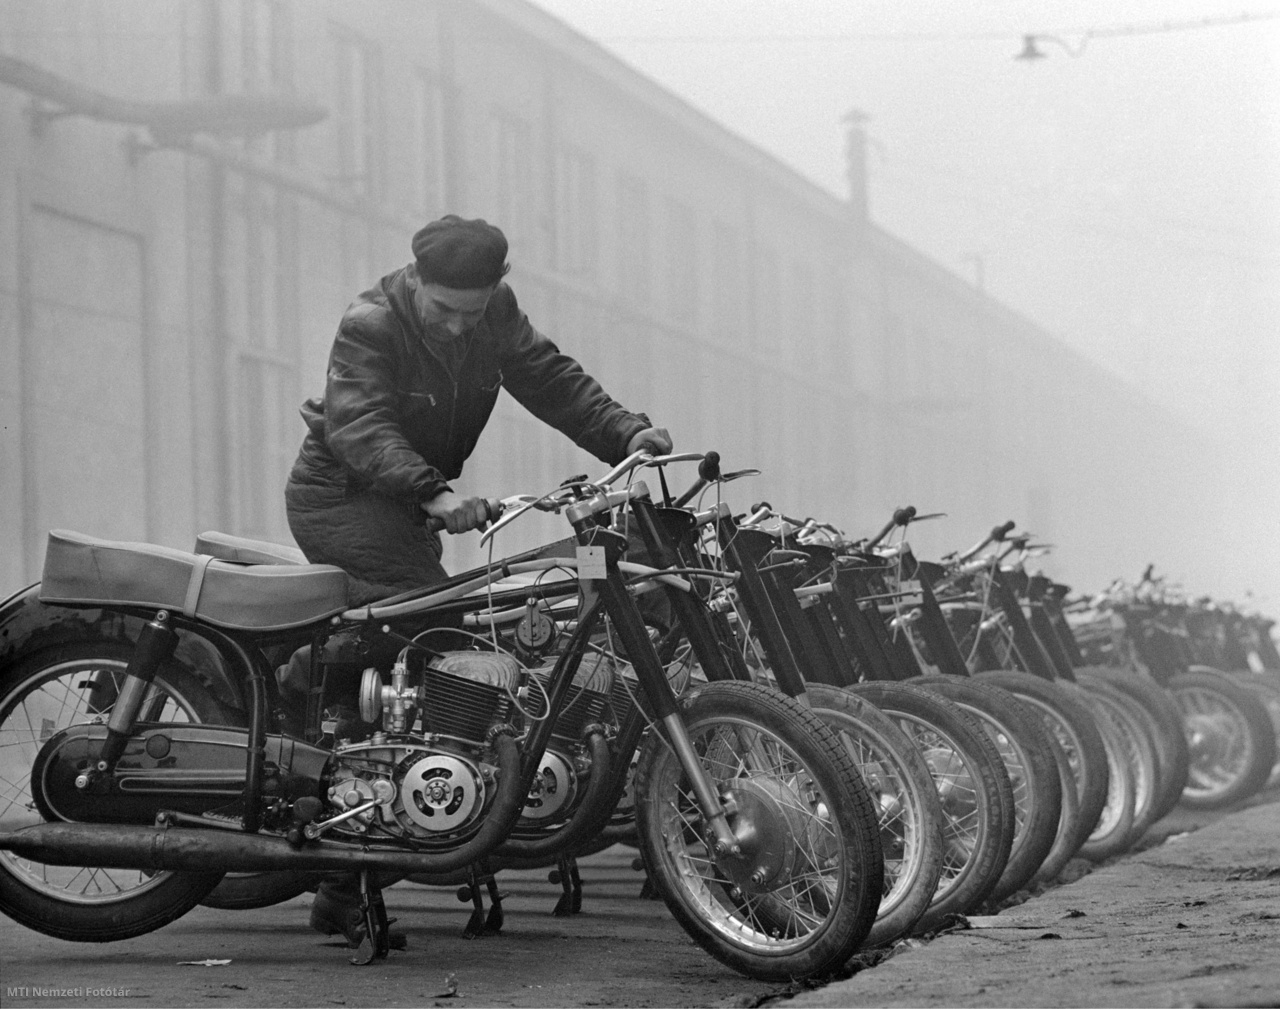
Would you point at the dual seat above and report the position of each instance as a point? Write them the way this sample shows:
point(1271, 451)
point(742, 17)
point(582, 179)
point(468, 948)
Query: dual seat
point(230, 581)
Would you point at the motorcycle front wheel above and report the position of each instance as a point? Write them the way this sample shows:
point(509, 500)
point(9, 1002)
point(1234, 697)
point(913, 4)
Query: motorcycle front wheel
point(802, 895)
point(41, 695)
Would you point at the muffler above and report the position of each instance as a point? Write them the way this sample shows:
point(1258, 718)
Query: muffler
point(152, 849)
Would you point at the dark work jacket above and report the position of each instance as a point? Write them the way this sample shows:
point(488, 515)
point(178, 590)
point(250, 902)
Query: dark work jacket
point(394, 420)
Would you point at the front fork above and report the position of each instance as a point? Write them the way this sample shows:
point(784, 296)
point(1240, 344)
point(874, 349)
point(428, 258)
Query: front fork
point(653, 680)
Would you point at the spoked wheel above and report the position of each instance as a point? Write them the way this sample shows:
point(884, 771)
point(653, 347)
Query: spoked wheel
point(906, 801)
point(1025, 749)
point(1083, 768)
point(1172, 754)
point(801, 896)
point(1229, 735)
point(1142, 731)
point(973, 790)
point(40, 696)
point(1131, 763)
point(1268, 692)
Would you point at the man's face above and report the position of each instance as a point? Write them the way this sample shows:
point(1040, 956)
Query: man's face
point(449, 313)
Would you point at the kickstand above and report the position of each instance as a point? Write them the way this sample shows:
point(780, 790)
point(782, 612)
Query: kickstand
point(566, 874)
point(478, 924)
point(376, 927)
point(647, 892)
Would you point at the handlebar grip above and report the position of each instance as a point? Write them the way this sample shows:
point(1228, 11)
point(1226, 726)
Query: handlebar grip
point(493, 508)
point(708, 473)
point(903, 516)
point(1001, 531)
point(709, 468)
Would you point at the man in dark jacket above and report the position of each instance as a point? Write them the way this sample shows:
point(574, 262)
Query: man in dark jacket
point(413, 376)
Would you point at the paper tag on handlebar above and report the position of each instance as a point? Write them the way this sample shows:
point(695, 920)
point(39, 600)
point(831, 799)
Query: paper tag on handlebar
point(591, 564)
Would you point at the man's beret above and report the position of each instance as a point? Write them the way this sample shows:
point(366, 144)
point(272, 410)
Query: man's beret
point(461, 254)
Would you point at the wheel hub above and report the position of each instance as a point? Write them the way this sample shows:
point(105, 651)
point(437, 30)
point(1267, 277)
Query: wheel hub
point(766, 826)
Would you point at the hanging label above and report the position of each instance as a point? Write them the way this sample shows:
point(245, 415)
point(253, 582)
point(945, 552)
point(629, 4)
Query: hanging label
point(591, 564)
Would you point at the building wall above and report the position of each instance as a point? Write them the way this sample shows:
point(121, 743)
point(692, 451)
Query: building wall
point(165, 312)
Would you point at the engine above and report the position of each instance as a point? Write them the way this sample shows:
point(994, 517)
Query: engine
point(425, 773)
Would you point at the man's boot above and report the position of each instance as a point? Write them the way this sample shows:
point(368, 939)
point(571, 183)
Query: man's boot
point(336, 909)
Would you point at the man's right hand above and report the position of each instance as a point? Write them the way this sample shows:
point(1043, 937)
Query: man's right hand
point(458, 514)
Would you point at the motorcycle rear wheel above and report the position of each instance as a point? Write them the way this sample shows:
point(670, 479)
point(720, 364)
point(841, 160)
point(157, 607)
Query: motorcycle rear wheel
point(45, 693)
point(804, 897)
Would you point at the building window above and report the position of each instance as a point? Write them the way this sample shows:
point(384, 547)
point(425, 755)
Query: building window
point(428, 127)
point(263, 312)
point(357, 116)
point(681, 265)
point(513, 179)
point(635, 261)
point(576, 218)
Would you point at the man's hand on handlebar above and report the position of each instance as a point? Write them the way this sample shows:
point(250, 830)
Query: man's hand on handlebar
point(456, 514)
point(652, 439)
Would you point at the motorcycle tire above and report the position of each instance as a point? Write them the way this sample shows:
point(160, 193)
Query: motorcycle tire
point(1150, 772)
point(1267, 690)
point(973, 789)
point(1131, 759)
point(1086, 771)
point(53, 689)
point(1233, 746)
point(796, 789)
point(1172, 754)
point(1025, 748)
point(906, 801)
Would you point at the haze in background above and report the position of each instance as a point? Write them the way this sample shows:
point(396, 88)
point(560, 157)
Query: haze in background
point(1125, 198)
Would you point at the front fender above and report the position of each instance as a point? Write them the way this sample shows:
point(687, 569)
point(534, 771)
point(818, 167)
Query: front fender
point(29, 625)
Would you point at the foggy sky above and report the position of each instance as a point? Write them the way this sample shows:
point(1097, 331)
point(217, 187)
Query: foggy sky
point(1126, 199)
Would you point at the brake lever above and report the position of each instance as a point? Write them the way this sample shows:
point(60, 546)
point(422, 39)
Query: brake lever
point(522, 503)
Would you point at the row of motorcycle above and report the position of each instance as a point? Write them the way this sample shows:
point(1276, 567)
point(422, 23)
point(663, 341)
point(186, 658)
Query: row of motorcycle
point(817, 743)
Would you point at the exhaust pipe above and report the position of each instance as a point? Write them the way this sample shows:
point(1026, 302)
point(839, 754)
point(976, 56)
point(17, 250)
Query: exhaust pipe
point(183, 849)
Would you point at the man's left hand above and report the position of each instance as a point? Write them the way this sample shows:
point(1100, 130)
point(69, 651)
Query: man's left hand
point(651, 439)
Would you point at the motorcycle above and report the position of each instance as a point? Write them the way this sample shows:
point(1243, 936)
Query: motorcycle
point(148, 750)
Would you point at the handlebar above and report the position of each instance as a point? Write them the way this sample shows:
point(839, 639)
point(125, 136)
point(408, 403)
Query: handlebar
point(997, 535)
point(708, 471)
point(901, 517)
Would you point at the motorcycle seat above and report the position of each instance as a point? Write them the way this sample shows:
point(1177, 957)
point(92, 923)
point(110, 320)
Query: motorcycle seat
point(85, 570)
point(241, 550)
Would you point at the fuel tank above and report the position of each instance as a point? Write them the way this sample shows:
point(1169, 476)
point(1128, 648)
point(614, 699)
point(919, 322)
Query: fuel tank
point(182, 768)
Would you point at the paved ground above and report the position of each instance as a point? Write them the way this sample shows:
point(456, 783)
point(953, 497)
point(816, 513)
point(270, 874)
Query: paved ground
point(1193, 921)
